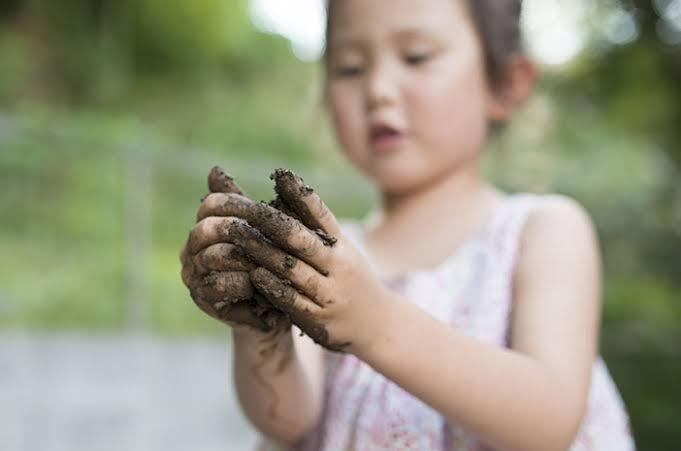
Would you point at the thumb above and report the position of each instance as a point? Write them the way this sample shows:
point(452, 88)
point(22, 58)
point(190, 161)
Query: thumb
point(307, 204)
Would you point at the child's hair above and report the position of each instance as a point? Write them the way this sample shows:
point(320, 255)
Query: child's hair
point(498, 25)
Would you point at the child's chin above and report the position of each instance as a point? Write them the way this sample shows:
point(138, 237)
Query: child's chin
point(397, 182)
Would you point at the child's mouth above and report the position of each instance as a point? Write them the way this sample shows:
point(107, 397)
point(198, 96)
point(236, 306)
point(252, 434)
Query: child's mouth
point(384, 138)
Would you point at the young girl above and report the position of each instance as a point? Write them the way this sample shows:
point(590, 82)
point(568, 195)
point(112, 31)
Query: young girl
point(466, 318)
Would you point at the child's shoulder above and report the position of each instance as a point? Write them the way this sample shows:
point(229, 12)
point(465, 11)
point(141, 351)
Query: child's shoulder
point(557, 214)
point(558, 230)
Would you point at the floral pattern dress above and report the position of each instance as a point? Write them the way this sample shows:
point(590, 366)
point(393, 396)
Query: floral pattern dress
point(472, 291)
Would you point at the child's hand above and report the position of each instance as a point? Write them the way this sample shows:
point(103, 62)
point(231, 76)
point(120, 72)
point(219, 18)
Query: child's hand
point(313, 273)
point(216, 273)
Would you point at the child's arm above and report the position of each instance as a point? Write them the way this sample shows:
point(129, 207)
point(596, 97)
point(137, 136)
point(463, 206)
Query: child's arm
point(533, 396)
point(280, 389)
point(530, 397)
point(278, 374)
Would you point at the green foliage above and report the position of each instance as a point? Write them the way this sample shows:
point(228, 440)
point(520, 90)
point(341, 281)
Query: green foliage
point(16, 65)
point(649, 387)
point(166, 32)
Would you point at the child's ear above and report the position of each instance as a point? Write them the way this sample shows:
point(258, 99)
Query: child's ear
point(513, 89)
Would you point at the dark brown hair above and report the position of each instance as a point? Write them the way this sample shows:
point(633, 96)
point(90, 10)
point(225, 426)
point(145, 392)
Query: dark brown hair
point(498, 26)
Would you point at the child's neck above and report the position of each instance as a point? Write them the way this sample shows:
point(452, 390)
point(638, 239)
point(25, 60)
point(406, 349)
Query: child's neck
point(421, 228)
point(458, 194)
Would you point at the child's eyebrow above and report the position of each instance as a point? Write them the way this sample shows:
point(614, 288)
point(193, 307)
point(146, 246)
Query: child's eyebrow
point(344, 42)
point(405, 34)
point(349, 42)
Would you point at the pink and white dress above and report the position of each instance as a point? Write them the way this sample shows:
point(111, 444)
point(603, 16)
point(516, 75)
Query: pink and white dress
point(471, 290)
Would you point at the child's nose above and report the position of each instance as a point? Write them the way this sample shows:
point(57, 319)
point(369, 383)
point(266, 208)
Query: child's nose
point(381, 87)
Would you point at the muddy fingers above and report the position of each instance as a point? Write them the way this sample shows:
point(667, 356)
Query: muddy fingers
point(224, 288)
point(308, 206)
point(303, 312)
point(290, 235)
point(221, 257)
point(225, 204)
point(221, 182)
point(216, 271)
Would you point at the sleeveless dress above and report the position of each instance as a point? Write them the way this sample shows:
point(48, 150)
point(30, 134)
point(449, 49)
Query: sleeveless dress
point(471, 290)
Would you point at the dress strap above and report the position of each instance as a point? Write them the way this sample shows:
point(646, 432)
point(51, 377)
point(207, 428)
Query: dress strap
point(505, 229)
point(492, 289)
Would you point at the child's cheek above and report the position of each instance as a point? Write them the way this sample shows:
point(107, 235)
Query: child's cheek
point(450, 111)
point(347, 121)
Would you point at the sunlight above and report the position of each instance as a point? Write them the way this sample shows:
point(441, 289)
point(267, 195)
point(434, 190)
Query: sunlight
point(302, 22)
point(554, 29)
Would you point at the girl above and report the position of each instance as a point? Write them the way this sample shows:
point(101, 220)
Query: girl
point(467, 318)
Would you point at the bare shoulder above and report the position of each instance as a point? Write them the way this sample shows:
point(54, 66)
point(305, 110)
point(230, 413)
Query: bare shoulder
point(559, 238)
point(556, 287)
point(559, 226)
point(558, 213)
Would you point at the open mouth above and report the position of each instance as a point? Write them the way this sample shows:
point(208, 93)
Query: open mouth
point(384, 138)
point(383, 132)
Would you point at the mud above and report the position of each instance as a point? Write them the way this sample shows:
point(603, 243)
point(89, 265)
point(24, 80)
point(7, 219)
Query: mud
point(230, 287)
point(281, 205)
point(253, 310)
point(260, 249)
point(285, 296)
point(236, 205)
point(222, 257)
point(287, 214)
point(220, 182)
point(270, 318)
point(274, 224)
point(292, 193)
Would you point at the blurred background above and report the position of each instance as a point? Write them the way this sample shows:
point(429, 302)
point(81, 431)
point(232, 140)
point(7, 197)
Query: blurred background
point(113, 112)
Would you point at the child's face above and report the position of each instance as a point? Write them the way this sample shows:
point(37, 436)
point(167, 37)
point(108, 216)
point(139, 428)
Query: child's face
point(407, 88)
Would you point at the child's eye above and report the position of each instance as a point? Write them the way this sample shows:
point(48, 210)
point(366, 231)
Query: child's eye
point(349, 71)
point(416, 59)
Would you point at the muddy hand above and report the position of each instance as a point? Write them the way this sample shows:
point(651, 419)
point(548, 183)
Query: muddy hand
point(216, 271)
point(313, 273)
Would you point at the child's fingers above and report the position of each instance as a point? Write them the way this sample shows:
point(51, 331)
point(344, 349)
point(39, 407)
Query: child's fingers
point(221, 182)
point(187, 271)
point(241, 314)
point(234, 315)
point(187, 274)
point(291, 235)
point(231, 298)
point(225, 204)
point(283, 230)
point(221, 257)
point(211, 230)
point(303, 312)
point(223, 288)
point(306, 203)
point(303, 277)
point(283, 296)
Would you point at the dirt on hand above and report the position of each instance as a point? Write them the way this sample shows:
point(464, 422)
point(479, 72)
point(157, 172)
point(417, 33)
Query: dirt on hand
point(229, 293)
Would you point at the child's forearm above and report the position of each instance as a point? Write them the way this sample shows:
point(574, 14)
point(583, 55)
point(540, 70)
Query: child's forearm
point(279, 386)
point(510, 400)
